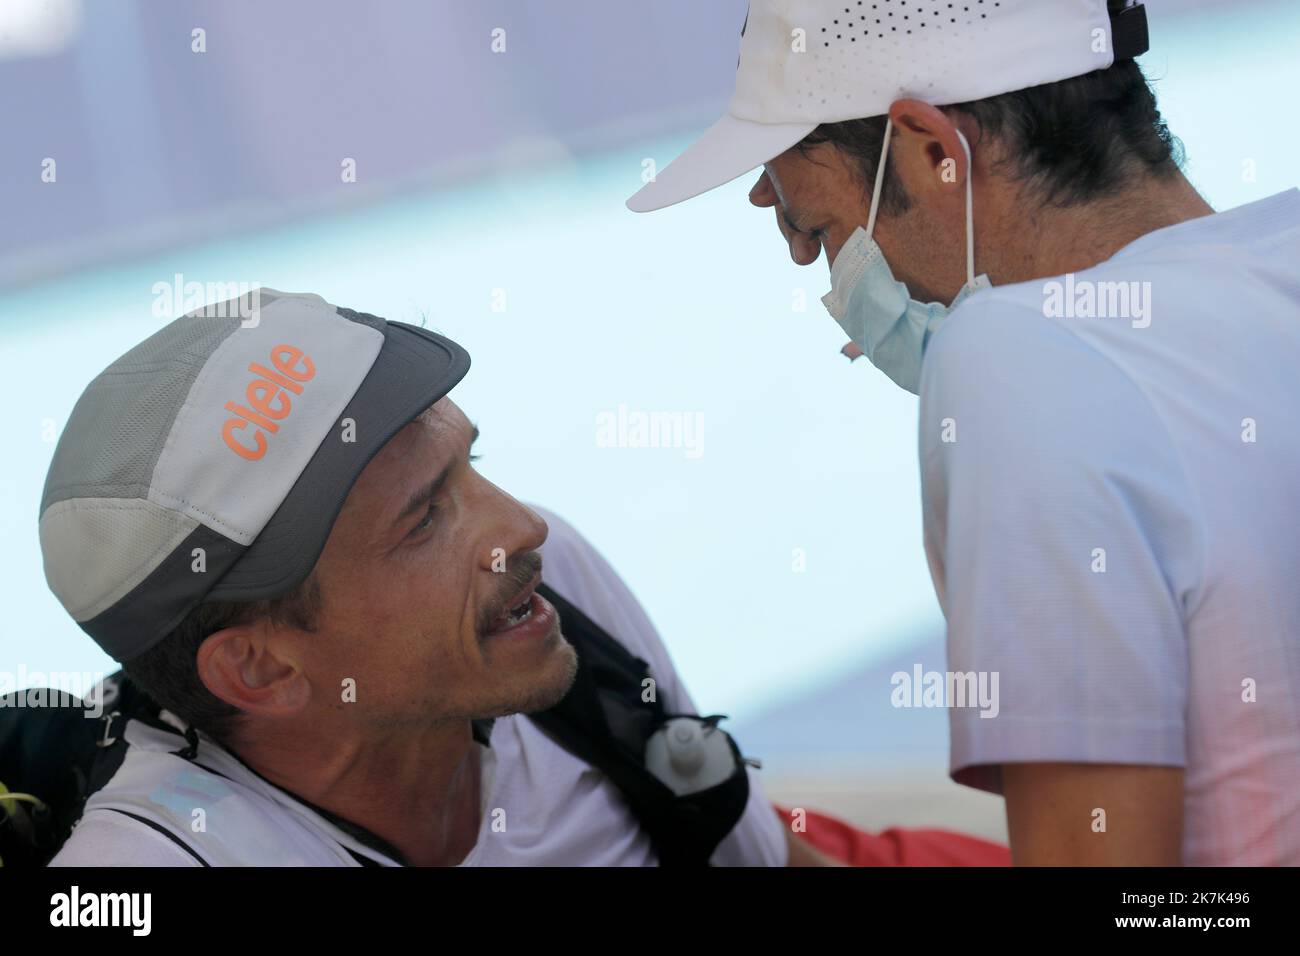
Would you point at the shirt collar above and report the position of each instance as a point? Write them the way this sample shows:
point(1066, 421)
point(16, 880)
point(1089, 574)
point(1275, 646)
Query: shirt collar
point(480, 729)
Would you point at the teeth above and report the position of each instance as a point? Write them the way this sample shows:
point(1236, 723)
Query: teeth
point(520, 614)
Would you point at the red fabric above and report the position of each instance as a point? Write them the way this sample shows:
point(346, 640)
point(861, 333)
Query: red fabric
point(896, 846)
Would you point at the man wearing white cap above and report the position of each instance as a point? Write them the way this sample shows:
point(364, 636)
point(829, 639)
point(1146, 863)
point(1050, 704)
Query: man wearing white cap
point(1109, 454)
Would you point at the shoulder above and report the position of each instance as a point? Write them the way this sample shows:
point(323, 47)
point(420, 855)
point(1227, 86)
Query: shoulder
point(578, 571)
point(990, 315)
point(574, 568)
point(1038, 446)
point(107, 838)
point(1000, 341)
point(1027, 427)
point(571, 561)
point(1002, 378)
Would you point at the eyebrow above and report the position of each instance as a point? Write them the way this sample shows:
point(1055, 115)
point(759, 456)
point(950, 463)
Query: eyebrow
point(426, 494)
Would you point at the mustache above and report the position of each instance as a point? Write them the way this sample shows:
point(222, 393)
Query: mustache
point(519, 572)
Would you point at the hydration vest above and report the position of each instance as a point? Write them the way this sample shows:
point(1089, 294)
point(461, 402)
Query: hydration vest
point(682, 776)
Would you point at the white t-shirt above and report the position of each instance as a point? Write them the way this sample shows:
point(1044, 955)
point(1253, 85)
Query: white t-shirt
point(1112, 519)
point(558, 810)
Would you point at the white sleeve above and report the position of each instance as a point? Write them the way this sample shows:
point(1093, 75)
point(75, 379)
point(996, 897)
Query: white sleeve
point(577, 571)
point(1064, 542)
point(106, 838)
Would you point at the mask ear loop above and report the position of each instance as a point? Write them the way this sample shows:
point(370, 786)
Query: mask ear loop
point(970, 218)
point(880, 180)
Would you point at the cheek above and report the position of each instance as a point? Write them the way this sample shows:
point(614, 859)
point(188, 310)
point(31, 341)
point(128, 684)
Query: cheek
point(420, 599)
point(930, 258)
point(833, 243)
point(841, 230)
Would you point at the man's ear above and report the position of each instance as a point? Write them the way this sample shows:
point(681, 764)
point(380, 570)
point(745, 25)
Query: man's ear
point(926, 153)
point(253, 667)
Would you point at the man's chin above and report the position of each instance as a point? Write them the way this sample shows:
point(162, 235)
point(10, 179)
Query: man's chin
point(544, 686)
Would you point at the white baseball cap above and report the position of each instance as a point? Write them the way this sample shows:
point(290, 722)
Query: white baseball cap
point(806, 62)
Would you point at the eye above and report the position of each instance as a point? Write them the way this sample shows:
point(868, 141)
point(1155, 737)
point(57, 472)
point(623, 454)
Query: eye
point(427, 521)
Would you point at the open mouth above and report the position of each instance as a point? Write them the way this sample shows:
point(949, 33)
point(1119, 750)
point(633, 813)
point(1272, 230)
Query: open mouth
point(524, 607)
point(520, 613)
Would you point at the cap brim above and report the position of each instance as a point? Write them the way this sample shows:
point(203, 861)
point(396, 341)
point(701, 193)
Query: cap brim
point(729, 148)
point(413, 370)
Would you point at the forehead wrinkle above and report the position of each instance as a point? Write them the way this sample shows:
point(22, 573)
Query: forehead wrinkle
point(443, 416)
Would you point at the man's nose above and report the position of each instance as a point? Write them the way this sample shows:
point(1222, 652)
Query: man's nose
point(763, 193)
point(535, 527)
point(518, 530)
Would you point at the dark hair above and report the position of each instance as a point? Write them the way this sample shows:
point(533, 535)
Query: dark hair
point(168, 672)
point(1068, 142)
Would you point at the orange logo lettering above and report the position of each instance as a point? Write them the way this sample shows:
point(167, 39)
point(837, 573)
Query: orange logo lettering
point(269, 401)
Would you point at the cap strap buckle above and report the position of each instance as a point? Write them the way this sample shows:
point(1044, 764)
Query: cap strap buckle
point(1128, 32)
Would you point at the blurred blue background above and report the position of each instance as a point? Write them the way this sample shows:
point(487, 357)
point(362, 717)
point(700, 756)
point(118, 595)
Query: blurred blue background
point(488, 203)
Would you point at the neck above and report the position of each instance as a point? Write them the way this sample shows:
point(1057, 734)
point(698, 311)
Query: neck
point(1054, 241)
point(416, 788)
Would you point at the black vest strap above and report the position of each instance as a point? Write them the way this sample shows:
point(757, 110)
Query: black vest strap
point(606, 719)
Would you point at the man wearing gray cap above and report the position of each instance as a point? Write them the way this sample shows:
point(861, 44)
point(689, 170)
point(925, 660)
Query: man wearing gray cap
point(1108, 399)
point(339, 623)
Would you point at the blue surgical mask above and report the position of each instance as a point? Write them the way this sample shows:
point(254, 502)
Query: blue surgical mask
point(876, 310)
